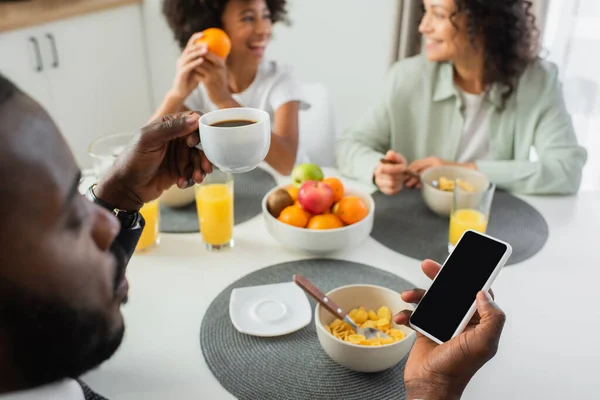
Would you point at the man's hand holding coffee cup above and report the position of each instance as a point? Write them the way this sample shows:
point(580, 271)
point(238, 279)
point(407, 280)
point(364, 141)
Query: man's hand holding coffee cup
point(235, 140)
point(161, 155)
point(389, 175)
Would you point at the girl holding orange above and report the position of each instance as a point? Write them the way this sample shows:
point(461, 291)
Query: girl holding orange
point(206, 81)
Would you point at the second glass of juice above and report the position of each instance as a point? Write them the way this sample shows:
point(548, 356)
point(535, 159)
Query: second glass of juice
point(470, 210)
point(214, 202)
point(151, 234)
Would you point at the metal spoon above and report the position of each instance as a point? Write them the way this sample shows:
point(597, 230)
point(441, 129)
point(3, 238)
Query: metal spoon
point(329, 305)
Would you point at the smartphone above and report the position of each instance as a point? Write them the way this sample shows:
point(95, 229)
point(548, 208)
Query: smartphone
point(449, 303)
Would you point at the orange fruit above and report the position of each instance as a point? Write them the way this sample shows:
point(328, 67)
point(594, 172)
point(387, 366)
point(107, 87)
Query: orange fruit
point(351, 209)
point(293, 191)
point(217, 41)
point(325, 221)
point(297, 204)
point(294, 216)
point(337, 186)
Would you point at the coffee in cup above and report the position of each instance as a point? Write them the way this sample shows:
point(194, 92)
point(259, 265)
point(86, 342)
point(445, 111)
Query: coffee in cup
point(235, 140)
point(233, 123)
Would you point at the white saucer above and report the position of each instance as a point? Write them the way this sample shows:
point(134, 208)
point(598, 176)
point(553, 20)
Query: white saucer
point(269, 310)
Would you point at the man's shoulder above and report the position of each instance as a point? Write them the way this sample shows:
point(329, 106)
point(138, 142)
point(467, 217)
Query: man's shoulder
point(88, 393)
point(66, 389)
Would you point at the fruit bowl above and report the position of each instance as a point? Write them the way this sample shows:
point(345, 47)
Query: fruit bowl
point(320, 241)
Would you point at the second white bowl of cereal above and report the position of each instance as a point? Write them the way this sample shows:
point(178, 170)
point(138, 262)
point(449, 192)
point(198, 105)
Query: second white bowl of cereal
point(378, 303)
point(439, 199)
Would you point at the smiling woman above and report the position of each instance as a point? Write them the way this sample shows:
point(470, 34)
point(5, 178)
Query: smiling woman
point(207, 82)
point(480, 98)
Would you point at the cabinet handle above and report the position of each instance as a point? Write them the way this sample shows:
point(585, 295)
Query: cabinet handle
point(38, 54)
point(55, 62)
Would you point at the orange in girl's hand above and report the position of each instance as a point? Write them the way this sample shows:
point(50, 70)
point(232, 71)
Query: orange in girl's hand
point(350, 210)
point(325, 221)
point(293, 191)
point(337, 186)
point(294, 216)
point(217, 41)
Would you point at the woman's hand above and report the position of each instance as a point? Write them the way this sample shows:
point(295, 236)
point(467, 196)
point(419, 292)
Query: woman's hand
point(213, 74)
point(419, 166)
point(389, 175)
point(187, 77)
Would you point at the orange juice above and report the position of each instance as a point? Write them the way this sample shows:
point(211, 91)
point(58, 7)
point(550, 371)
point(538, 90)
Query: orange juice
point(461, 220)
point(151, 213)
point(215, 212)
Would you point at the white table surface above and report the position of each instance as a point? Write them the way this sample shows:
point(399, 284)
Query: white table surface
point(549, 345)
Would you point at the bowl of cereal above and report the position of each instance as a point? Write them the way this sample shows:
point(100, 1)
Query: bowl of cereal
point(371, 306)
point(438, 186)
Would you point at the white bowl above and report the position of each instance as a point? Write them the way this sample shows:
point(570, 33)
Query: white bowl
point(364, 358)
point(439, 201)
point(175, 197)
point(321, 241)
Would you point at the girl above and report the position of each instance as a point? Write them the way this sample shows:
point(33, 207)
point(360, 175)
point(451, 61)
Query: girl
point(205, 82)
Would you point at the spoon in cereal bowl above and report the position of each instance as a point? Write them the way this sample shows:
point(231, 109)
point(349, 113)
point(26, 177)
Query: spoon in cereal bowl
point(334, 309)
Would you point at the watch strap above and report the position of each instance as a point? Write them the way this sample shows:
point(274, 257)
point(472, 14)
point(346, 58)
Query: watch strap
point(128, 219)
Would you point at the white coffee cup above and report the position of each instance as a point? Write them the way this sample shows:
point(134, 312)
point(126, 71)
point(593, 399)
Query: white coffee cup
point(235, 149)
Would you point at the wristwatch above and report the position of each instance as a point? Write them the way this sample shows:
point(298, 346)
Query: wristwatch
point(128, 219)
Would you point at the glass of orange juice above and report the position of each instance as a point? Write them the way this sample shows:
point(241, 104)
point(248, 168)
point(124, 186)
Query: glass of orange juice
point(151, 234)
point(470, 210)
point(214, 202)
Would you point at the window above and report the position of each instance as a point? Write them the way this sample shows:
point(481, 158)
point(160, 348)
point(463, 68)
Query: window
point(571, 39)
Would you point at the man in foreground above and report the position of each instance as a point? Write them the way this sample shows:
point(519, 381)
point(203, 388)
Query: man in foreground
point(62, 271)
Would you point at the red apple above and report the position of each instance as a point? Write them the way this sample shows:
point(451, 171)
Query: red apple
point(315, 197)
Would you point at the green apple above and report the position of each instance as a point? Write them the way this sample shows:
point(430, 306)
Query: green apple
point(306, 172)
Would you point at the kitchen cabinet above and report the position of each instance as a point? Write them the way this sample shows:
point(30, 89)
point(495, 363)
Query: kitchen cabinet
point(89, 72)
point(22, 62)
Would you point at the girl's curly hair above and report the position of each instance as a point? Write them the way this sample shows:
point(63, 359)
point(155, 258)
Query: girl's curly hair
point(510, 37)
point(186, 17)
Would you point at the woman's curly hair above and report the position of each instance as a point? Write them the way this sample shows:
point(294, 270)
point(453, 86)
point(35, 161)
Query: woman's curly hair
point(510, 37)
point(186, 17)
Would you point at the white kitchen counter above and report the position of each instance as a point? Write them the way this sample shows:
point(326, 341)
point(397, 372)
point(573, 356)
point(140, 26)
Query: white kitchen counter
point(36, 12)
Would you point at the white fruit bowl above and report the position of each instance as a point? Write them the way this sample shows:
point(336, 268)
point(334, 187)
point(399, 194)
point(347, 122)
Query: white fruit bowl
point(364, 358)
point(321, 241)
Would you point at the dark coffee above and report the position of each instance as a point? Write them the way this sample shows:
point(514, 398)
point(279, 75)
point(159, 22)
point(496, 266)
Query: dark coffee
point(233, 123)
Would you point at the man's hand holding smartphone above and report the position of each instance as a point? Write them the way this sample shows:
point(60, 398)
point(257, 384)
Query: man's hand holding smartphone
point(443, 371)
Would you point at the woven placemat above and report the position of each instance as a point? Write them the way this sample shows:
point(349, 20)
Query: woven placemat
point(294, 366)
point(249, 189)
point(405, 224)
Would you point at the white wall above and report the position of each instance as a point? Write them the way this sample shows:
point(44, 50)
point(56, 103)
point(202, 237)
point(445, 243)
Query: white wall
point(162, 50)
point(347, 45)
